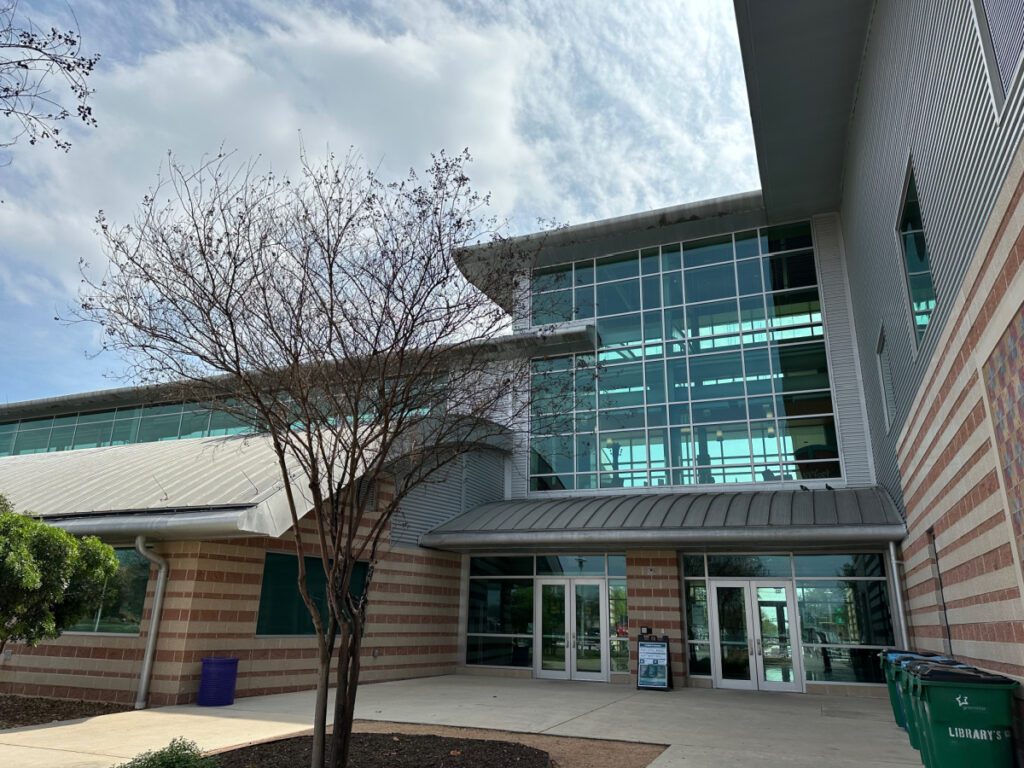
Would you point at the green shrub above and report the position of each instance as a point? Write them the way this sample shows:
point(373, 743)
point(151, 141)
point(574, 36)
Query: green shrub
point(180, 753)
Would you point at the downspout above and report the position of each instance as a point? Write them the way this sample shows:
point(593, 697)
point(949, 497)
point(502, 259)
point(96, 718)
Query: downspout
point(897, 588)
point(154, 620)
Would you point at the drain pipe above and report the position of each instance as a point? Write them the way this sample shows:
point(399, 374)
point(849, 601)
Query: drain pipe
point(154, 620)
point(897, 588)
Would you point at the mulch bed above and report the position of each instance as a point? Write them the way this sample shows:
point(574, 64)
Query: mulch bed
point(393, 750)
point(19, 711)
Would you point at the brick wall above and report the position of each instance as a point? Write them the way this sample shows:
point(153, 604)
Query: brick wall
point(210, 609)
point(960, 460)
point(654, 599)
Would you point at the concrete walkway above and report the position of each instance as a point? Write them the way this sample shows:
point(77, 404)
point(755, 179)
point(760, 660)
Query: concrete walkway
point(701, 727)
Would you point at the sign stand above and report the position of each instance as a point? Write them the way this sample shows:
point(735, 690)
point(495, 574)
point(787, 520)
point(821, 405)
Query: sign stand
point(654, 664)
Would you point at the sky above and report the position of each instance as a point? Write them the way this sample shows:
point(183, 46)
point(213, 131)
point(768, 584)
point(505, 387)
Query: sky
point(572, 111)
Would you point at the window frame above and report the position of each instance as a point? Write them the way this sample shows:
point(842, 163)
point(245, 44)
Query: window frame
point(908, 300)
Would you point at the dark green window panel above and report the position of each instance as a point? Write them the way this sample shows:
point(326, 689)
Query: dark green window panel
point(675, 324)
point(555, 307)
point(679, 414)
point(501, 606)
point(720, 317)
point(697, 627)
point(672, 288)
point(586, 421)
point(195, 424)
point(804, 404)
point(586, 482)
point(617, 565)
point(499, 651)
point(159, 427)
point(713, 376)
point(128, 413)
point(693, 567)
point(571, 565)
point(812, 470)
point(670, 257)
point(31, 441)
point(712, 411)
point(548, 364)
point(584, 273)
point(618, 298)
point(552, 483)
point(710, 283)
point(791, 308)
point(791, 270)
point(710, 250)
point(703, 344)
point(501, 566)
point(654, 375)
point(552, 278)
point(125, 432)
point(625, 331)
point(653, 330)
point(866, 565)
point(124, 597)
point(681, 447)
point(651, 289)
point(222, 423)
point(762, 407)
point(7, 440)
point(801, 367)
point(650, 260)
point(585, 306)
point(281, 610)
point(748, 276)
point(586, 453)
point(622, 418)
point(787, 237)
point(620, 386)
point(757, 364)
point(750, 566)
point(749, 244)
point(845, 612)
point(552, 424)
point(808, 440)
point(618, 267)
point(61, 438)
point(678, 381)
point(552, 392)
point(657, 416)
point(752, 313)
point(551, 455)
point(586, 389)
point(93, 434)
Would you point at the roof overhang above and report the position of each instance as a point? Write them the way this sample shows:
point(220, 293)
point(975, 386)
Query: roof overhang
point(802, 61)
point(769, 519)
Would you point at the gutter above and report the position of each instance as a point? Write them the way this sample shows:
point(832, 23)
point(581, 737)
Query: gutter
point(142, 694)
point(650, 538)
point(192, 525)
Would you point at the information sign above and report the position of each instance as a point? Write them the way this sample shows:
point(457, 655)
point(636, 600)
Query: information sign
point(653, 671)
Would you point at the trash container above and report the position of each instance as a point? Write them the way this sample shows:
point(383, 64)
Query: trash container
point(916, 714)
point(966, 717)
point(901, 686)
point(888, 656)
point(217, 677)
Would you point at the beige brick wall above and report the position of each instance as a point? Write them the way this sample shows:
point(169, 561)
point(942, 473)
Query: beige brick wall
point(654, 599)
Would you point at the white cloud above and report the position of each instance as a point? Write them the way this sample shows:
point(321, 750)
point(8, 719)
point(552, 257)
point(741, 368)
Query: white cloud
point(572, 112)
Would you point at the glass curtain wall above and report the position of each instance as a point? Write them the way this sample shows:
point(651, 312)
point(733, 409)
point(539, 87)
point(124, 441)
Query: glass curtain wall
point(842, 599)
point(711, 367)
point(500, 628)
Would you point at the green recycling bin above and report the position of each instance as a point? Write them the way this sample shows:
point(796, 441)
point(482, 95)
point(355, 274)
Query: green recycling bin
point(902, 680)
point(889, 657)
point(966, 717)
point(914, 670)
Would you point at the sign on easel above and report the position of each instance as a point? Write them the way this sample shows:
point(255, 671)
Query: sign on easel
point(654, 670)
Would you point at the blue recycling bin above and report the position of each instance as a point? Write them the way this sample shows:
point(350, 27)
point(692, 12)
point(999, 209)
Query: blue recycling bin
point(217, 678)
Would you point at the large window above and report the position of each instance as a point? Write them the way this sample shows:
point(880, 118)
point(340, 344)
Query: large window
point(118, 426)
point(711, 367)
point(915, 259)
point(282, 611)
point(120, 608)
point(499, 629)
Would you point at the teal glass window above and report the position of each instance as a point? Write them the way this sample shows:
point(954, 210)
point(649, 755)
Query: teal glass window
point(618, 297)
point(571, 565)
point(501, 606)
point(620, 386)
point(617, 267)
point(710, 283)
point(748, 276)
point(671, 257)
point(552, 278)
point(787, 237)
point(553, 307)
point(124, 597)
point(281, 610)
point(710, 250)
point(750, 566)
point(865, 565)
point(852, 612)
point(791, 270)
point(915, 258)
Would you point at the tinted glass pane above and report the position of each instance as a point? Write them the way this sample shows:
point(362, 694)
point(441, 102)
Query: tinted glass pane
point(501, 606)
point(764, 441)
point(552, 278)
point(716, 375)
point(748, 276)
point(710, 283)
point(162, 427)
point(681, 446)
point(794, 308)
point(672, 288)
point(125, 431)
point(670, 258)
point(787, 237)
point(552, 483)
point(710, 250)
point(124, 597)
point(618, 624)
point(842, 665)
point(805, 404)
point(282, 611)
point(653, 330)
point(499, 651)
point(551, 455)
point(501, 566)
point(699, 659)
point(730, 409)
point(91, 435)
point(195, 424)
point(61, 438)
point(618, 266)
point(845, 612)
point(757, 365)
point(555, 307)
point(616, 565)
point(571, 565)
point(693, 565)
point(747, 244)
point(226, 424)
point(585, 306)
point(586, 453)
point(651, 288)
point(711, 319)
point(650, 260)
point(620, 386)
point(619, 297)
point(586, 389)
point(840, 565)
point(750, 565)
point(620, 331)
point(31, 441)
point(654, 377)
point(697, 627)
point(719, 444)
point(623, 418)
point(553, 392)
point(584, 273)
point(803, 366)
point(809, 439)
point(792, 270)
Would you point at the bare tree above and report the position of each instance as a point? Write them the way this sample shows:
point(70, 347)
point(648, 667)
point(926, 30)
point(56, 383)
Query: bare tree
point(39, 69)
point(329, 312)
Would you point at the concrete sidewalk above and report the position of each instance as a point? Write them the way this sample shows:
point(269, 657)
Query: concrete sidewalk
point(702, 727)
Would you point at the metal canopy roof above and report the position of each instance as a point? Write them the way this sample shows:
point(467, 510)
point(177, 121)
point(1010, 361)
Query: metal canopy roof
point(752, 518)
point(215, 485)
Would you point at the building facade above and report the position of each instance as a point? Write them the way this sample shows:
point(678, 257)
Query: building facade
point(783, 428)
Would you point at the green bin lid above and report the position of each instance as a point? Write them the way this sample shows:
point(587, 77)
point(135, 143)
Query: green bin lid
point(940, 673)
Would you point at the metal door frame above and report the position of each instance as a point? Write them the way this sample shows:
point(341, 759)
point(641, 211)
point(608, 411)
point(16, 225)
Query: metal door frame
point(571, 673)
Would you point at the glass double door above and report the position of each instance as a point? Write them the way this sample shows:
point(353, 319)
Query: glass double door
point(572, 641)
point(754, 636)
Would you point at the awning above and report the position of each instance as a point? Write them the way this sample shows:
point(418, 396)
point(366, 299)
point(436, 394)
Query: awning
point(753, 519)
point(204, 487)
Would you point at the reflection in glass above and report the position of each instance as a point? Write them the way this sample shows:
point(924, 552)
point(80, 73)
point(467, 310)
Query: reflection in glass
point(733, 632)
point(552, 627)
point(842, 665)
point(845, 612)
point(499, 651)
point(501, 606)
point(697, 627)
point(750, 566)
point(709, 250)
point(710, 283)
point(618, 624)
point(571, 565)
point(588, 628)
point(776, 635)
point(699, 659)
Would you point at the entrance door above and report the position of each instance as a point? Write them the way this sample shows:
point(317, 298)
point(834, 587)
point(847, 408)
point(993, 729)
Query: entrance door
point(753, 624)
point(572, 638)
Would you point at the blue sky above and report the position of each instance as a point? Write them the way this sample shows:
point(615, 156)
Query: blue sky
point(573, 111)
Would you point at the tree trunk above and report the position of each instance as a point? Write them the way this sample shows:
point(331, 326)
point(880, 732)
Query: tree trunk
point(345, 698)
point(323, 686)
